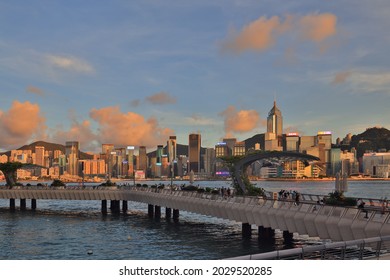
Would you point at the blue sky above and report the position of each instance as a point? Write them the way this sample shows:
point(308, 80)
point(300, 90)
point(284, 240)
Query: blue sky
point(135, 72)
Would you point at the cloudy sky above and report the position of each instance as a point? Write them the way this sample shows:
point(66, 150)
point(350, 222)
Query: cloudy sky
point(133, 72)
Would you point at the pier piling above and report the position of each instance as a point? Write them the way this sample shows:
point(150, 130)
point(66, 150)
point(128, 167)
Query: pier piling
point(168, 213)
point(150, 210)
point(176, 215)
point(104, 207)
point(157, 212)
point(33, 204)
point(124, 206)
point(266, 233)
point(115, 206)
point(246, 230)
point(12, 204)
point(23, 204)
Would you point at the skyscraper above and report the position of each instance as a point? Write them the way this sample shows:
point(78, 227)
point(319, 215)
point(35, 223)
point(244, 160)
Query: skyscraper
point(275, 121)
point(72, 156)
point(130, 160)
point(142, 159)
point(194, 142)
point(274, 135)
point(159, 153)
point(171, 144)
point(40, 155)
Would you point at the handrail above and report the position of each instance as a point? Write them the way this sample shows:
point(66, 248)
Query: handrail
point(368, 248)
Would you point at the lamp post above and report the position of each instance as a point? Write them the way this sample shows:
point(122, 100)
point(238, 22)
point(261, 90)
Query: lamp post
point(172, 172)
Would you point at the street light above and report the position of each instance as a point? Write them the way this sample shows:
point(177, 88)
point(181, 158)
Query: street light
point(172, 168)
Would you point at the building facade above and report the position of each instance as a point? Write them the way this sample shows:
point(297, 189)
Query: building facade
point(194, 144)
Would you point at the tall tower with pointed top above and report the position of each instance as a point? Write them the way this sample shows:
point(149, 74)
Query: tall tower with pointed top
point(275, 121)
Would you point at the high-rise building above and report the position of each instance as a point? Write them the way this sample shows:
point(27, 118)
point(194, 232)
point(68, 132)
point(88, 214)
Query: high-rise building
point(107, 148)
point(159, 153)
point(221, 149)
point(142, 163)
point(209, 161)
point(274, 134)
point(238, 149)
point(72, 155)
point(171, 145)
point(230, 142)
point(292, 142)
point(324, 140)
point(40, 155)
point(194, 143)
point(275, 121)
point(130, 160)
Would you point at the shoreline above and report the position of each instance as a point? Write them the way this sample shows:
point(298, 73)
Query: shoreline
point(183, 180)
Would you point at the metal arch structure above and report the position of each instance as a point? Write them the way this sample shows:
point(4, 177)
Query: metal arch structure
point(272, 156)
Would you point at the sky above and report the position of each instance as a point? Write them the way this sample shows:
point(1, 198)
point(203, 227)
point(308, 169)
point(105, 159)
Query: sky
point(131, 72)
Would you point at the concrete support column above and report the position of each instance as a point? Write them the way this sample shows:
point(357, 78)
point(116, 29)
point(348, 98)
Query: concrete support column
point(124, 206)
point(168, 213)
point(33, 204)
point(12, 204)
point(104, 207)
point(266, 233)
point(287, 236)
point(115, 206)
point(176, 215)
point(23, 204)
point(157, 212)
point(246, 230)
point(150, 210)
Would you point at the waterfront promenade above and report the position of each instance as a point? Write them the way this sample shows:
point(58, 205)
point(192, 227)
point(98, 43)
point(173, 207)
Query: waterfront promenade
point(267, 213)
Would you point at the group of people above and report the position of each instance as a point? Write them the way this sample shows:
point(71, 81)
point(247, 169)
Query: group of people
point(225, 192)
point(290, 195)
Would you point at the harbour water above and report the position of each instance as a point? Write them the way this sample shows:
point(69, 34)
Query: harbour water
point(76, 229)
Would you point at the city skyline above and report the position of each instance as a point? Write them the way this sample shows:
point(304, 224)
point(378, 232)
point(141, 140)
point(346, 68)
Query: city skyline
point(139, 72)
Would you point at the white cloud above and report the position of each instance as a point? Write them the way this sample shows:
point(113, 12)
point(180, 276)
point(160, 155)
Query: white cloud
point(364, 82)
point(368, 82)
point(70, 63)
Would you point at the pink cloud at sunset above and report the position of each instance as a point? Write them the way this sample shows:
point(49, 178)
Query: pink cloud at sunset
point(161, 98)
point(23, 123)
point(341, 77)
point(79, 131)
point(35, 90)
point(263, 33)
point(128, 128)
point(240, 121)
point(20, 123)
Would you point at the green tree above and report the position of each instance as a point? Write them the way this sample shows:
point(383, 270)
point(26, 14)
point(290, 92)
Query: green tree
point(230, 163)
point(9, 170)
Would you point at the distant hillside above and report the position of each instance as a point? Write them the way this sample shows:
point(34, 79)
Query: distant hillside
point(251, 142)
point(181, 150)
point(373, 139)
point(49, 147)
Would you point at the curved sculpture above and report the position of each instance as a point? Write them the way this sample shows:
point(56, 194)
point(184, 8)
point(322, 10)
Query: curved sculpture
point(273, 156)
